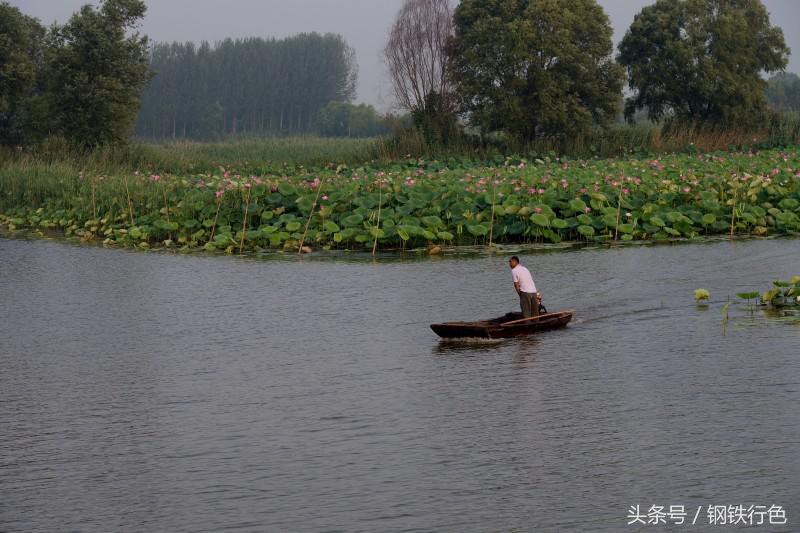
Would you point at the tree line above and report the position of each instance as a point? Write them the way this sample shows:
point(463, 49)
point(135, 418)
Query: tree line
point(546, 68)
point(246, 86)
point(525, 69)
point(95, 80)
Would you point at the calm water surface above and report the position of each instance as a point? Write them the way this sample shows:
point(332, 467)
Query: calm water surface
point(152, 392)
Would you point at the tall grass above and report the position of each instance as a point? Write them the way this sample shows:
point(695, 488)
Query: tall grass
point(54, 162)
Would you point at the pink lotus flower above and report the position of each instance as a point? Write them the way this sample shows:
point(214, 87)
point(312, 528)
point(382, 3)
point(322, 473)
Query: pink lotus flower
point(219, 193)
point(588, 209)
point(155, 177)
point(540, 191)
point(324, 196)
point(537, 209)
point(686, 189)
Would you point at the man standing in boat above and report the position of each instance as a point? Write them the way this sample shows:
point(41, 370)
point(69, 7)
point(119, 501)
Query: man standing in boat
point(525, 287)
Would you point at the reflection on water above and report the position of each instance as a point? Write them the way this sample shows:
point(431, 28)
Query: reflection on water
point(159, 392)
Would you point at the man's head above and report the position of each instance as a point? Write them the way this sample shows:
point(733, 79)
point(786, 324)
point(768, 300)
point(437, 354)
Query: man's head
point(514, 261)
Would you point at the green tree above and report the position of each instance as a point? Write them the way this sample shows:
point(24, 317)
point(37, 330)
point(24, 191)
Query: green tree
point(97, 71)
point(534, 67)
point(701, 60)
point(21, 40)
point(343, 119)
point(783, 92)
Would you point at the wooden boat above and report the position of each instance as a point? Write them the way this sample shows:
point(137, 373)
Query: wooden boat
point(508, 325)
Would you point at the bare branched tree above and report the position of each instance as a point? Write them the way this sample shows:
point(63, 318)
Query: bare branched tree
point(415, 53)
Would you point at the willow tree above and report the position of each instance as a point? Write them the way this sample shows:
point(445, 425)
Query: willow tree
point(701, 60)
point(535, 67)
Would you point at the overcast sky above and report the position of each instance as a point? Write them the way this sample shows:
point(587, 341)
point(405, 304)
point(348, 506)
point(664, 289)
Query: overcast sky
point(363, 23)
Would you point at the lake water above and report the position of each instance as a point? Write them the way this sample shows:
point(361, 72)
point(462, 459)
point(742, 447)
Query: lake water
point(156, 392)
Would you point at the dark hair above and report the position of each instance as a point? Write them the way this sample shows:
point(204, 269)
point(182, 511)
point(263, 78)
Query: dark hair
point(514, 258)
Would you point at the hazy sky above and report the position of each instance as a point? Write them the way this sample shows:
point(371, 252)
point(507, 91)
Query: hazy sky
point(363, 23)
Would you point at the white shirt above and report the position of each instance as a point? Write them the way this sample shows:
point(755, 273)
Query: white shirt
point(522, 275)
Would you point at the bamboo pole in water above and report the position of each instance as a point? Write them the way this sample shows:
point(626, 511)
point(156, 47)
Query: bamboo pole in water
point(378, 223)
point(244, 222)
point(94, 204)
point(310, 214)
point(619, 204)
point(491, 220)
point(214, 225)
point(166, 207)
point(733, 211)
point(537, 317)
point(130, 204)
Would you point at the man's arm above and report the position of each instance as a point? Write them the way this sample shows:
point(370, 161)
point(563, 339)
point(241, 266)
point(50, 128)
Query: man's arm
point(516, 287)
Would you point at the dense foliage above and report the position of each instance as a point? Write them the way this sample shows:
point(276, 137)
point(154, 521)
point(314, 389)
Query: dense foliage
point(245, 86)
point(701, 60)
point(343, 119)
point(20, 53)
point(419, 203)
point(96, 72)
point(783, 92)
point(81, 80)
point(535, 67)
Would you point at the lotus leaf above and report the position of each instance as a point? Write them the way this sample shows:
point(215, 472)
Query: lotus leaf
point(540, 220)
point(477, 229)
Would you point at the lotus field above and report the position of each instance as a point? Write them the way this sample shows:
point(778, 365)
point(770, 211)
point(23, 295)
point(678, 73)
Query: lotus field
point(418, 203)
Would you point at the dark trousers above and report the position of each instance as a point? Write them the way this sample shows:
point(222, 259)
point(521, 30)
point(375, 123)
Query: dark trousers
point(529, 303)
